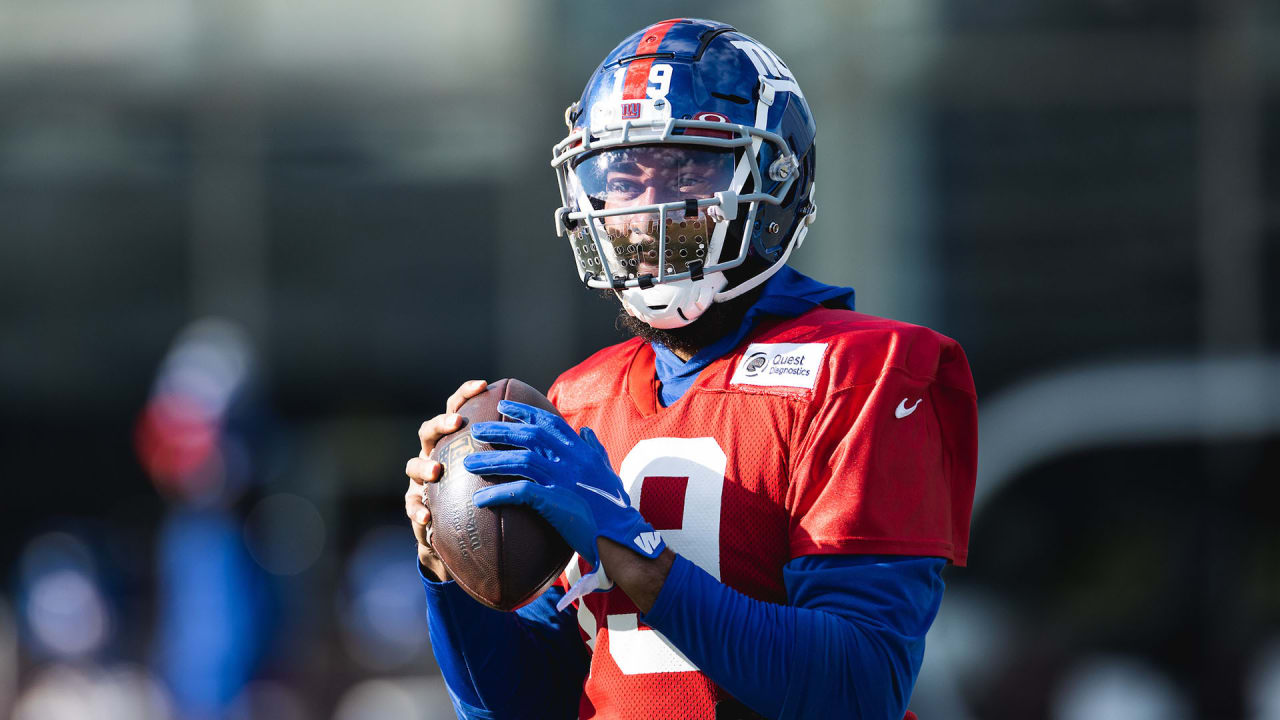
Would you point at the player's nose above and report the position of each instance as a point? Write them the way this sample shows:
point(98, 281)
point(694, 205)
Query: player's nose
point(648, 197)
point(651, 194)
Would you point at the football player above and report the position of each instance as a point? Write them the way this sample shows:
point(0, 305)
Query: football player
point(762, 486)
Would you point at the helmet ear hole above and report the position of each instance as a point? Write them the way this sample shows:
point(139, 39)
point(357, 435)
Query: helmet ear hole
point(804, 179)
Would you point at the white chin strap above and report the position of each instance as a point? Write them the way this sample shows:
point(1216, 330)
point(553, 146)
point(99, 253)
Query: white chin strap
point(672, 304)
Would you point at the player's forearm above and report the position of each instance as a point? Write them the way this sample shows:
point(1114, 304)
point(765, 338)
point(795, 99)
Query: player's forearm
point(638, 576)
point(857, 656)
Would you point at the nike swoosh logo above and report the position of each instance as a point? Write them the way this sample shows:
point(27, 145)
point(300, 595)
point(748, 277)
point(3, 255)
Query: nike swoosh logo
point(901, 411)
point(618, 500)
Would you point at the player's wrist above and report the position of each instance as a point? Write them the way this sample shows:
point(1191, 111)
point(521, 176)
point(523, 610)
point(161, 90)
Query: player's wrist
point(640, 577)
point(430, 565)
point(635, 534)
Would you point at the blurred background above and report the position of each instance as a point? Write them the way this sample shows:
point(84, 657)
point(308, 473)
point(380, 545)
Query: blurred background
point(247, 246)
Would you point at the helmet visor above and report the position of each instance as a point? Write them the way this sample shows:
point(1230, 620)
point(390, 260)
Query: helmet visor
point(638, 243)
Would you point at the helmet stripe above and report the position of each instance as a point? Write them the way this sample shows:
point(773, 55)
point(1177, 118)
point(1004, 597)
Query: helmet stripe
point(636, 84)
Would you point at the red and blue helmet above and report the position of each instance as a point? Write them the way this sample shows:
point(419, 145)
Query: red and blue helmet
point(689, 156)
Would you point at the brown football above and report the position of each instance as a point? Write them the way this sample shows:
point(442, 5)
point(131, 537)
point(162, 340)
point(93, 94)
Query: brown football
point(502, 556)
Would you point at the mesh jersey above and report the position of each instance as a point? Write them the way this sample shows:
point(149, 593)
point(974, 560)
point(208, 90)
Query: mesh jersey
point(833, 432)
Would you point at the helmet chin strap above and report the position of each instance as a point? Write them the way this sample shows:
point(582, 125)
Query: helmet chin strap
point(684, 301)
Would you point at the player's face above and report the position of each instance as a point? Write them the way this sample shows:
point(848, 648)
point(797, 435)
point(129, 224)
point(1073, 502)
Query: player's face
point(649, 175)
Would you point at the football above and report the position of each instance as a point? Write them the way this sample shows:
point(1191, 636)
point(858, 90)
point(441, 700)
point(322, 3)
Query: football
point(505, 556)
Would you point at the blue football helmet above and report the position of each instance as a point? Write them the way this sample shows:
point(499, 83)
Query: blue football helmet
point(687, 174)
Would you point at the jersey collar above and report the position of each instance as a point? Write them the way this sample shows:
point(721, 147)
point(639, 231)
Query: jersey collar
point(787, 294)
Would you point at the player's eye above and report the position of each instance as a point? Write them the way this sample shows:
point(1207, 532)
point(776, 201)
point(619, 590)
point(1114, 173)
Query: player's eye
point(622, 188)
point(688, 183)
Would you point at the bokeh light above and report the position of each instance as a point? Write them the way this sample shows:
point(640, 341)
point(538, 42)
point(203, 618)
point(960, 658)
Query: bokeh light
point(124, 692)
point(381, 605)
point(424, 699)
point(64, 608)
point(1118, 688)
point(67, 613)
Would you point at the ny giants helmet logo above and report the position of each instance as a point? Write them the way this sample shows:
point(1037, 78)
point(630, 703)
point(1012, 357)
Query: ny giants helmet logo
point(631, 111)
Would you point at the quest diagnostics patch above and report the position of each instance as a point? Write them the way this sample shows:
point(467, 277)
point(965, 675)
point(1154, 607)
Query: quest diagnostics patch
point(783, 364)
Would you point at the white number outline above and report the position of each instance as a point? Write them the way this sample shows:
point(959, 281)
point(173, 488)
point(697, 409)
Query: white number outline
point(703, 461)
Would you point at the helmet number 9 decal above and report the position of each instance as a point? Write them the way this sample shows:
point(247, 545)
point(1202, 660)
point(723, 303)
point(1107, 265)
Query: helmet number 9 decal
point(659, 80)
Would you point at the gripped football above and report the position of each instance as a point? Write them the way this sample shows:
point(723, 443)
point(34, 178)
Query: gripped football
point(502, 556)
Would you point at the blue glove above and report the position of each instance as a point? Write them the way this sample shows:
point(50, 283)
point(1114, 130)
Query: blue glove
point(573, 485)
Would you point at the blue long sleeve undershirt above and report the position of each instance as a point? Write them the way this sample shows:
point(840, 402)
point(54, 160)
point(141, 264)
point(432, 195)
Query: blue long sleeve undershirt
point(506, 664)
point(849, 643)
point(851, 638)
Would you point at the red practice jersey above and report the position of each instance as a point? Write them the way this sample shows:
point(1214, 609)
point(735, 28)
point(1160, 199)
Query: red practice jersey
point(833, 432)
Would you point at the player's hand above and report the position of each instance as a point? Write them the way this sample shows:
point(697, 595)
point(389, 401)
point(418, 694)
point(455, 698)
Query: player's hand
point(422, 469)
point(570, 481)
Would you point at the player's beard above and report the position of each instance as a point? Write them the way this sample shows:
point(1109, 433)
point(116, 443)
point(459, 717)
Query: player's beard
point(718, 321)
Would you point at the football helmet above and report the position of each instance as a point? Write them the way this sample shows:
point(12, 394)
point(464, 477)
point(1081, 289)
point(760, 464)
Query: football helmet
point(687, 174)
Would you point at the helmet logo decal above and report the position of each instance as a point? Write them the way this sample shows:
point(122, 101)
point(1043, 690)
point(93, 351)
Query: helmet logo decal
point(766, 62)
point(630, 111)
point(770, 67)
point(711, 117)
